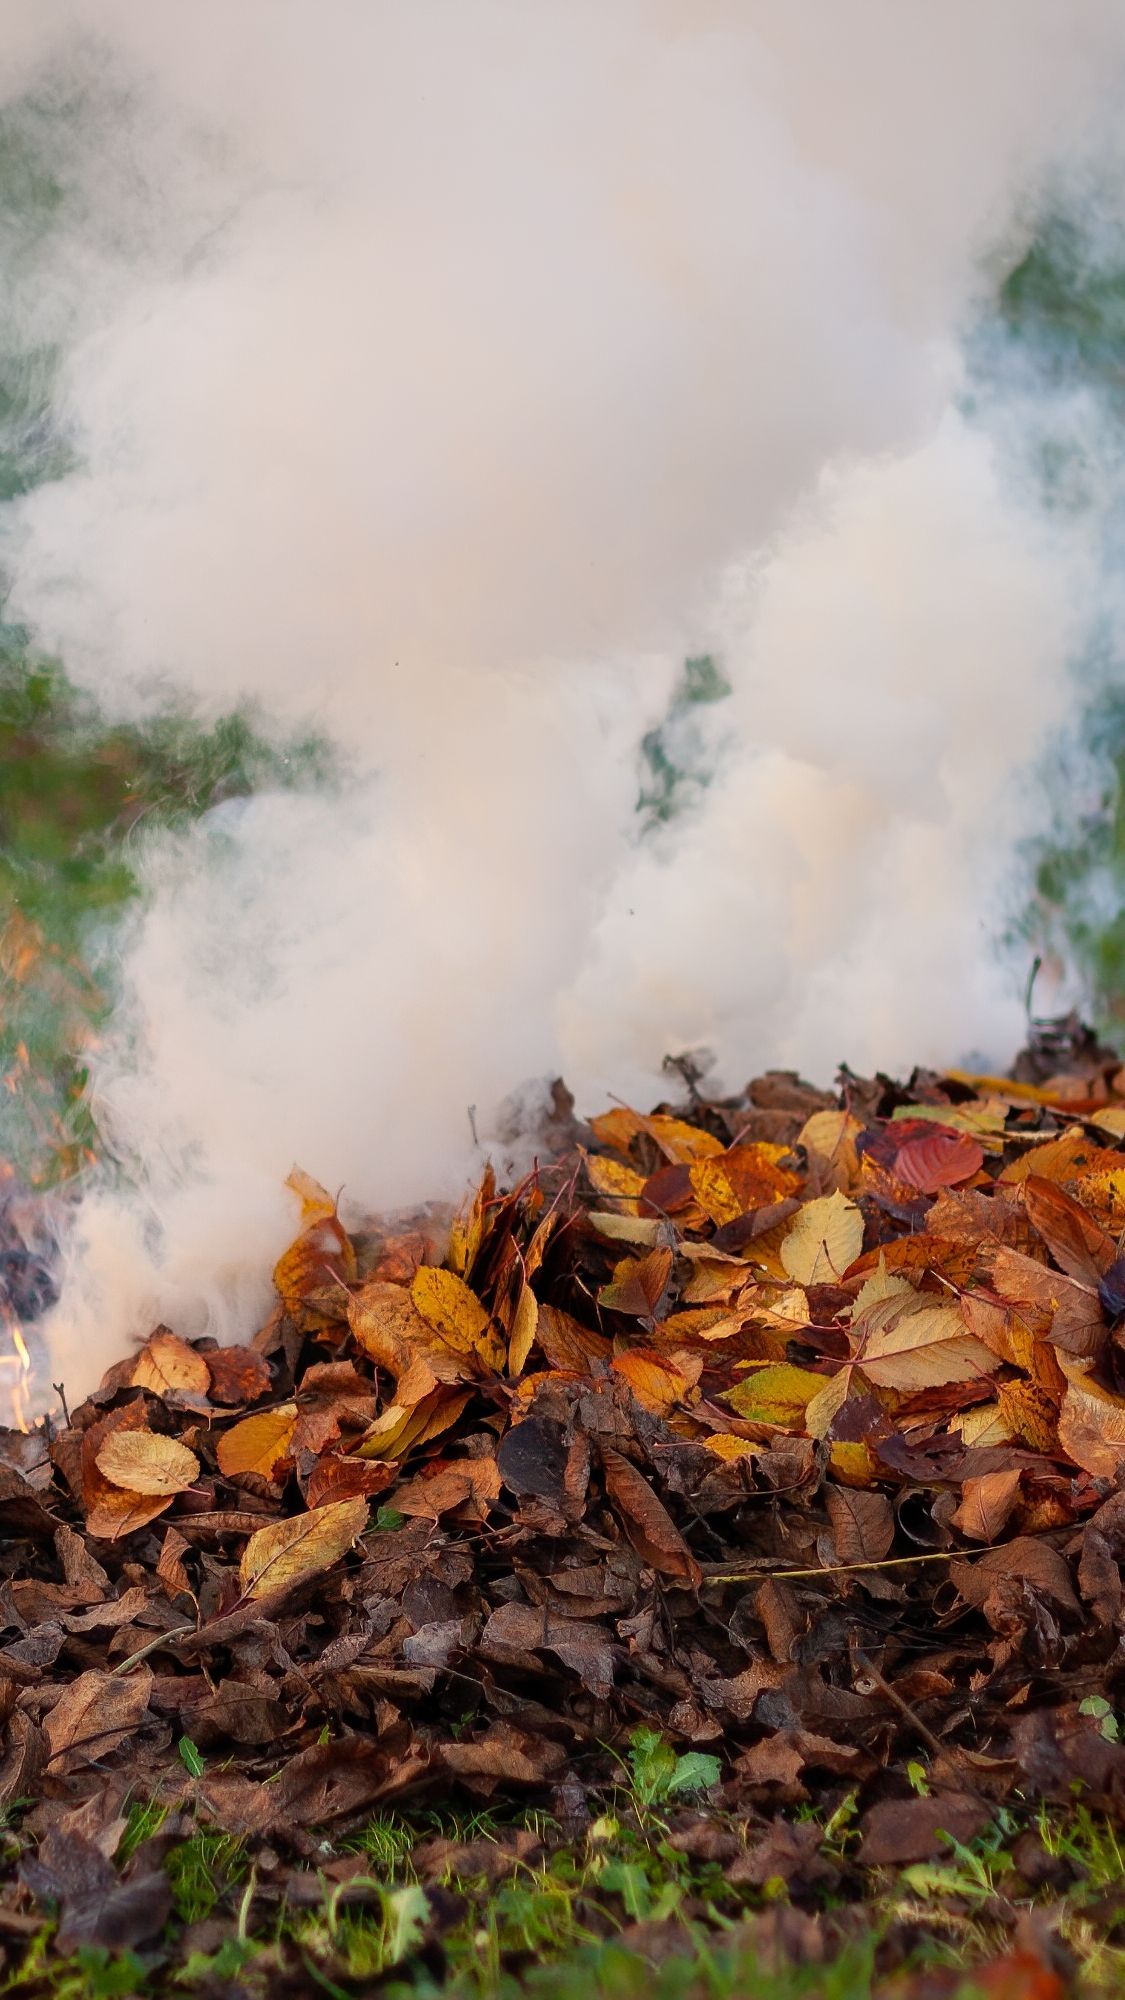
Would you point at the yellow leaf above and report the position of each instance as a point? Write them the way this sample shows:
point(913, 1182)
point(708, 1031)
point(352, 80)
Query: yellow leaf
point(776, 1394)
point(145, 1462)
point(1111, 1121)
point(825, 1237)
point(983, 1425)
point(1029, 1414)
point(726, 1445)
point(852, 1464)
point(168, 1366)
point(614, 1178)
point(456, 1314)
point(467, 1231)
point(714, 1193)
point(399, 1428)
point(642, 1230)
point(525, 1321)
point(259, 1443)
point(657, 1382)
point(1104, 1195)
point(301, 1546)
point(682, 1142)
point(1091, 1424)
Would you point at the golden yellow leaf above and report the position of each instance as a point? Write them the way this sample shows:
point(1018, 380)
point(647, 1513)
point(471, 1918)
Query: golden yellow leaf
point(824, 1238)
point(146, 1462)
point(853, 1464)
point(682, 1142)
point(467, 1231)
point(258, 1444)
point(614, 1178)
point(1111, 1121)
point(525, 1321)
point(777, 1394)
point(726, 1445)
point(1103, 1193)
point(642, 1230)
point(456, 1315)
point(168, 1366)
point(713, 1191)
point(399, 1428)
point(657, 1381)
point(1091, 1424)
point(1027, 1412)
point(302, 1545)
point(984, 1424)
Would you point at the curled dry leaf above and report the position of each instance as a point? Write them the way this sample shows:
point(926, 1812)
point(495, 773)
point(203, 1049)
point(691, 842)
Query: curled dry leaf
point(145, 1462)
point(301, 1546)
point(986, 1504)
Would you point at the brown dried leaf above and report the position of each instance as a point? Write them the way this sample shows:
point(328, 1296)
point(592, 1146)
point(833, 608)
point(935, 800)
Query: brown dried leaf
point(238, 1375)
point(863, 1523)
point(1078, 1244)
point(986, 1504)
point(94, 1715)
point(647, 1521)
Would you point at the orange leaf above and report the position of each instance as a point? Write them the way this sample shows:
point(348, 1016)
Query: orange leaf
point(258, 1444)
point(169, 1367)
point(639, 1284)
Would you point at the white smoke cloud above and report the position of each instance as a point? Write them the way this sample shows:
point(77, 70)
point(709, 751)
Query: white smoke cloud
point(438, 375)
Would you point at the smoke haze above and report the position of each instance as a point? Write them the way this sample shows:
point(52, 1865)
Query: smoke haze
point(435, 377)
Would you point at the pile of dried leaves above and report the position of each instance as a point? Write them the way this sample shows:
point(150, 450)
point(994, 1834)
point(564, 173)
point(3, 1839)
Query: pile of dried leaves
point(791, 1426)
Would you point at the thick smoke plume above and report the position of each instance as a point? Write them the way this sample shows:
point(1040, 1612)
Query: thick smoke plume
point(436, 377)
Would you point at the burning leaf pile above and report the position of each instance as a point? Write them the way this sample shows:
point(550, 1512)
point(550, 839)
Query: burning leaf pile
point(791, 1427)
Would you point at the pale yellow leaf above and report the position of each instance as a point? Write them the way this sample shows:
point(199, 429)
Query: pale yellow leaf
point(824, 1238)
point(145, 1462)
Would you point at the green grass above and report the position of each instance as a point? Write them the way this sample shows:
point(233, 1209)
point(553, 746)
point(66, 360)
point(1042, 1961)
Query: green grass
point(618, 1913)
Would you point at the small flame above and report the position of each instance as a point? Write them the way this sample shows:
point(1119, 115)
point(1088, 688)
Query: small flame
point(18, 1411)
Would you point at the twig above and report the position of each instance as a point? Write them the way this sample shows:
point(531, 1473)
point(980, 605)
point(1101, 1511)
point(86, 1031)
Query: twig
point(134, 1659)
point(828, 1569)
